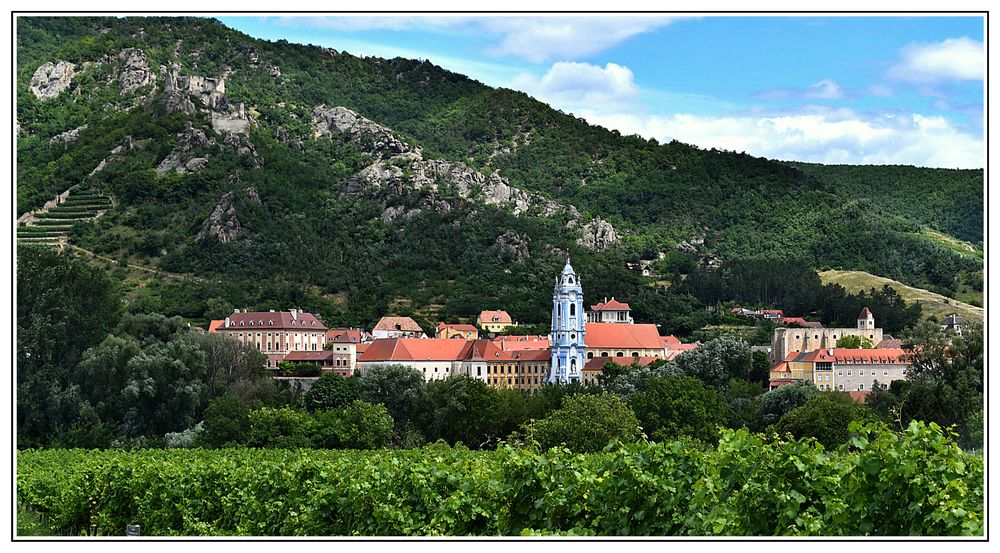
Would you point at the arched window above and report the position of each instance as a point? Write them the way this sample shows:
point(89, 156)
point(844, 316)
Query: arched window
point(572, 310)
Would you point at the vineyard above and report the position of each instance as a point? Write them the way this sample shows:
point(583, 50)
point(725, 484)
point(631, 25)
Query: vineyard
point(882, 483)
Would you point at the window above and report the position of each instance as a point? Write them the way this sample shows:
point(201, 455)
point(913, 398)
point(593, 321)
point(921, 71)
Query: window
point(885, 372)
point(605, 354)
point(827, 378)
point(572, 310)
point(635, 354)
point(840, 386)
point(479, 371)
point(840, 372)
point(848, 372)
point(619, 354)
point(861, 387)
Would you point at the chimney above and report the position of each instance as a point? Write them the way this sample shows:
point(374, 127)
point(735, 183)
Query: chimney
point(829, 352)
point(271, 310)
point(295, 314)
point(227, 322)
point(237, 310)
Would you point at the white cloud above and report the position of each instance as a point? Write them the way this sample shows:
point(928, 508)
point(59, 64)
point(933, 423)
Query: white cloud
point(818, 135)
point(537, 39)
point(542, 39)
point(825, 89)
point(954, 58)
point(573, 85)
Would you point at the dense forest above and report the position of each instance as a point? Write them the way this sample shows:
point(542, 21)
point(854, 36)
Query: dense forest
point(306, 239)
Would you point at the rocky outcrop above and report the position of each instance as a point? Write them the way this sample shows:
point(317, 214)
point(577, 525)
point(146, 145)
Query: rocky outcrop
point(128, 145)
point(210, 92)
point(50, 79)
point(693, 246)
point(68, 136)
point(184, 158)
point(133, 70)
point(175, 102)
point(244, 148)
point(372, 137)
point(597, 235)
point(512, 246)
point(222, 224)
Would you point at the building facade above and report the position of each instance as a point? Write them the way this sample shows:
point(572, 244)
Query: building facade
point(613, 311)
point(397, 327)
point(568, 336)
point(787, 340)
point(495, 321)
point(462, 331)
point(624, 340)
point(843, 370)
point(275, 333)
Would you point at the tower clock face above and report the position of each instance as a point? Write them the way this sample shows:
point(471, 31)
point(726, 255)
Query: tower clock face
point(572, 296)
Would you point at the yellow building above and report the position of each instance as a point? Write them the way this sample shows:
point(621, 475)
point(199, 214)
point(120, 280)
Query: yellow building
point(495, 321)
point(462, 331)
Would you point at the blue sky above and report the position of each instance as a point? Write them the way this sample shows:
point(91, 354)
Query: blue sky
point(847, 89)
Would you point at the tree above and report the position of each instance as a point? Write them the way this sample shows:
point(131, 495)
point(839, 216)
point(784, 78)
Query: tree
point(776, 403)
point(64, 306)
point(226, 423)
point(760, 369)
point(397, 387)
point(233, 367)
point(743, 399)
point(284, 428)
point(586, 423)
point(717, 361)
point(825, 417)
point(331, 391)
point(673, 406)
point(855, 342)
point(461, 409)
point(359, 425)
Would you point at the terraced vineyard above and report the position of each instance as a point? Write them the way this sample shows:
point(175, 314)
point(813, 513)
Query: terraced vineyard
point(51, 226)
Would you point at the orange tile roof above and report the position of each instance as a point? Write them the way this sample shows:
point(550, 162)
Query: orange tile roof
point(344, 335)
point(309, 356)
point(215, 324)
point(623, 336)
point(781, 367)
point(520, 345)
point(597, 363)
point(670, 340)
point(362, 347)
point(488, 316)
point(894, 356)
point(405, 324)
point(613, 305)
point(416, 349)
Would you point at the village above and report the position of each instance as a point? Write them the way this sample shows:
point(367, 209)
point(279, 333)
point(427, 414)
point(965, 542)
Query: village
point(579, 346)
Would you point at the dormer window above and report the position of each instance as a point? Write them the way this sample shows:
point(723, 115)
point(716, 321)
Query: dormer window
point(270, 323)
point(241, 323)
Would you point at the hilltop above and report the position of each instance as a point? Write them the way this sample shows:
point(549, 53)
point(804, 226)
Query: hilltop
point(276, 174)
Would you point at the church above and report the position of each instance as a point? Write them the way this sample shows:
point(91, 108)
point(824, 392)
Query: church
point(568, 336)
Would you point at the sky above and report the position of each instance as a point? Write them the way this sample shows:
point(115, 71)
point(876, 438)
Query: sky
point(835, 89)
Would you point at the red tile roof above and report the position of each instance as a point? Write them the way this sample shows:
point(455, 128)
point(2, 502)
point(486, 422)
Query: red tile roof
point(531, 355)
point(890, 343)
point(362, 347)
point(508, 343)
point(403, 323)
point(215, 324)
point(299, 356)
point(417, 349)
point(623, 336)
point(865, 313)
point(670, 341)
point(781, 367)
point(273, 319)
point(777, 312)
point(597, 363)
point(494, 317)
point(893, 356)
point(613, 305)
point(344, 335)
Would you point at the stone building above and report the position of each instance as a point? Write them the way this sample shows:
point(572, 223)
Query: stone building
point(787, 340)
point(397, 327)
point(612, 311)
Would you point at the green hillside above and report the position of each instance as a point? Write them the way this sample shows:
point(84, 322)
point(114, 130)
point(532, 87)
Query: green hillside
point(446, 196)
point(933, 306)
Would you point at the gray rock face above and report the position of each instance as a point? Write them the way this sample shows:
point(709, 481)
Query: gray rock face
point(513, 247)
point(133, 70)
point(180, 159)
point(175, 102)
point(244, 148)
point(598, 235)
point(50, 79)
point(372, 137)
point(693, 246)
point(68, 136)
point(222, 224)
point(226, 116)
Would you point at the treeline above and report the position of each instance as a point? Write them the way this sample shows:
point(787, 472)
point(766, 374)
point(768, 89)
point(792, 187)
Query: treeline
point(797, 290)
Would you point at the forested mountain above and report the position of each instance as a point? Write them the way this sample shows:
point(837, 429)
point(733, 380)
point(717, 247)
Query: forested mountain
point(270, 175)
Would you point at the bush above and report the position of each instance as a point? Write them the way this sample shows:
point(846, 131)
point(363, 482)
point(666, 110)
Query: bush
point(226, 423)
point(674, 406)
point(586, 423)
point(280, 428)
point(358, 426)
point(776, 403)
point(824, 417)
point(331, 391)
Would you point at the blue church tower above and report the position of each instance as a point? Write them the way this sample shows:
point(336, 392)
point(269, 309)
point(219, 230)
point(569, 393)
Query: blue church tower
point(568, 328)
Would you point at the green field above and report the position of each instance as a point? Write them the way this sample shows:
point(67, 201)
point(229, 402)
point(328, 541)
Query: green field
point(935, 306)
point(882, 483)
